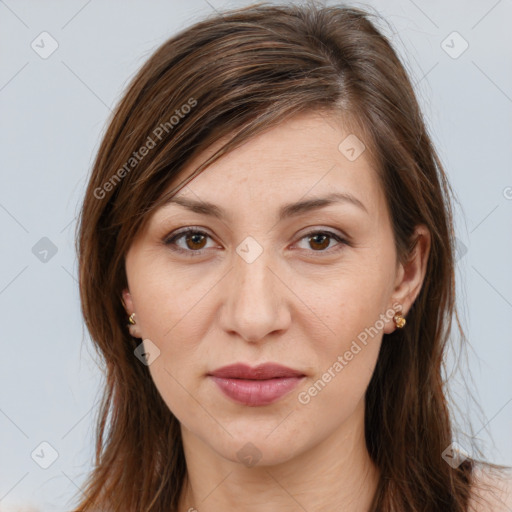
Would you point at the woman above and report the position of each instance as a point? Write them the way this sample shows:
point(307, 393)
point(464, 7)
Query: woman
point(273, 328)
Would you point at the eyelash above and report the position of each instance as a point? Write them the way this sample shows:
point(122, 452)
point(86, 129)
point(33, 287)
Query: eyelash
point(171, 241)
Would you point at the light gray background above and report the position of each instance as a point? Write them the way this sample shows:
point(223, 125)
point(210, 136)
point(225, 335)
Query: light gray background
point(53, 113)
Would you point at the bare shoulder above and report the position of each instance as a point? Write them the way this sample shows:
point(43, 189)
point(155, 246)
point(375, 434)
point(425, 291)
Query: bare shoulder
point(491, 490)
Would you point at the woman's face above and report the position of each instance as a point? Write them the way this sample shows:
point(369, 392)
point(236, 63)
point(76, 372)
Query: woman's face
point(259, 281)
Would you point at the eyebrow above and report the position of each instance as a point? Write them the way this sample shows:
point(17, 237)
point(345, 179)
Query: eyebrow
point(286, 211)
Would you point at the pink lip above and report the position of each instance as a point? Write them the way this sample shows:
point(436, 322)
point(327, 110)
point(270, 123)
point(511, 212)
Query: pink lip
point(257, 386)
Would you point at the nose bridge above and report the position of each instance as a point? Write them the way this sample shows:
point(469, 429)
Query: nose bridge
point(254, 306)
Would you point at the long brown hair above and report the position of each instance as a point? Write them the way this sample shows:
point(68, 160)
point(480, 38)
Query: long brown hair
point(233, 75)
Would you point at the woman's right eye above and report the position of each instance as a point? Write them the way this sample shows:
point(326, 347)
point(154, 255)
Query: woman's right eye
point(194, 241)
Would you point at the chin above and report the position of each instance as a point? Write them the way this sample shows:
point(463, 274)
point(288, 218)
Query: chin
point(255, 447)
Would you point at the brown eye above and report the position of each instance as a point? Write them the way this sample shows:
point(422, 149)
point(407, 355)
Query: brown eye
point(195, 240)
point(319, 241)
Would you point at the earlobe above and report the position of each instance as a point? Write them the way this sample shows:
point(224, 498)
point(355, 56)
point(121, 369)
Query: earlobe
point(127, 301)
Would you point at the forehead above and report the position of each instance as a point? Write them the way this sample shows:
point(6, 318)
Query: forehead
point(307, 156)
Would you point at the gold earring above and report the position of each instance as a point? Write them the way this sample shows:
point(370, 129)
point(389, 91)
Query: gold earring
point(131, 319)
point(399, 320)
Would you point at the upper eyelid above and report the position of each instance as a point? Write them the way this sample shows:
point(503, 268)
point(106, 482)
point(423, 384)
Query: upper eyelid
point(310, 229)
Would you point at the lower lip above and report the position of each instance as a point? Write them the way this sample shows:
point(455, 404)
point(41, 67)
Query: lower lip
point(256, 392)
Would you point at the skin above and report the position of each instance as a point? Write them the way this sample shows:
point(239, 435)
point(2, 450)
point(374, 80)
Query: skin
point(301, 303)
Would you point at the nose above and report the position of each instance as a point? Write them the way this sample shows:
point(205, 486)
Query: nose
point(255, 300)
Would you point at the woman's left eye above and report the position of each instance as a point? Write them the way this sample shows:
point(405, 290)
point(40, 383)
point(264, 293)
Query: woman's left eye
point(195, 241)
point(322, 239)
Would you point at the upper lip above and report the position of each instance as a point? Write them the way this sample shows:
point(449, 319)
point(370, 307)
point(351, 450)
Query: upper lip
point(261, 372)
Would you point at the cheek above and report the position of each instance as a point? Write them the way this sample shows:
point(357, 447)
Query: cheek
point(172, 313)
point(336, 394)
point(349, 305)
point(347, 345)
point(346, 358)
point(167, 299)
point(178, 391)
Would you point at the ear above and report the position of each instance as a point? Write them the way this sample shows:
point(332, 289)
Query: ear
point(127, 301)
point(411, 274)
point(130, 308)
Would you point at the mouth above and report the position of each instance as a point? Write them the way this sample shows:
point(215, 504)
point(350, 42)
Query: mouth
point(262, 385)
